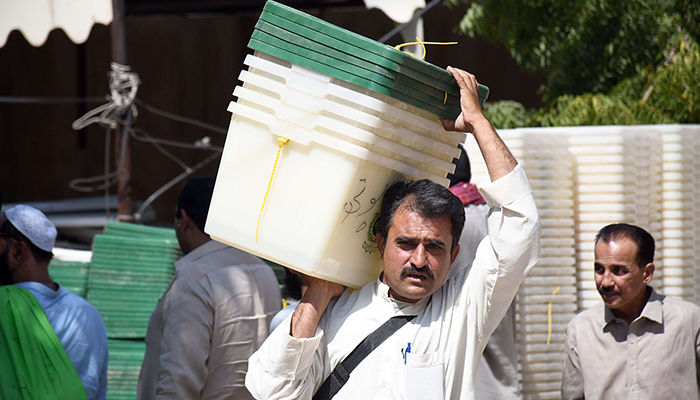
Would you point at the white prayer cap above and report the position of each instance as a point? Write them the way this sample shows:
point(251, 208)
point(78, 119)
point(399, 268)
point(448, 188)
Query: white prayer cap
point(34, 225)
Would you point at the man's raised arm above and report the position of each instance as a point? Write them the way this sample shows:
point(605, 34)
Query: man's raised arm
point(498, 158)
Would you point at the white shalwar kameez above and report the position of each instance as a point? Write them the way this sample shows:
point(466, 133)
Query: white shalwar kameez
point(446, 338)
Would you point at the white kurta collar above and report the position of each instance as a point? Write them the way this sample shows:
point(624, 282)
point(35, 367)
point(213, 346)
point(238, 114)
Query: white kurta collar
point(400, 307)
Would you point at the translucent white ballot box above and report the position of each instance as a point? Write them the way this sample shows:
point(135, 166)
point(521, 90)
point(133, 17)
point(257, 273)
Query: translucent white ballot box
point(325, 121)
point(322, 190)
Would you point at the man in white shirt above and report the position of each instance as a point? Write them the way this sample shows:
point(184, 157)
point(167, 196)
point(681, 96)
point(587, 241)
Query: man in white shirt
point(435, 355)
point(213, 316)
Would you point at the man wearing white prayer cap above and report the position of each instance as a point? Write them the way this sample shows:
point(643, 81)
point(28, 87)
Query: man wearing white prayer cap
point(27, 238)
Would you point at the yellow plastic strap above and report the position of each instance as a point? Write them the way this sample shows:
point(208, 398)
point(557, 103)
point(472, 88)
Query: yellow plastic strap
point(422, 44)
point(549, 317)
point(281, 141)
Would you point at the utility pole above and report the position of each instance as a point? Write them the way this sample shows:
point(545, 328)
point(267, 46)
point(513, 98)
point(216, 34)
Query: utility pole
point(125, 212)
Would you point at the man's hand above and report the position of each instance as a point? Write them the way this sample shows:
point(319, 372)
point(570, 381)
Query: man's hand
point(498, 158)
point(469, 102)
point(312, 306)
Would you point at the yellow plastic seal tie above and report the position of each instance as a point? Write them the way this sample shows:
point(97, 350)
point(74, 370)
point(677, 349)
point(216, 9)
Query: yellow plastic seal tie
point(549, 317)
point(281, 141)
point(422, 44)
point(445, 102)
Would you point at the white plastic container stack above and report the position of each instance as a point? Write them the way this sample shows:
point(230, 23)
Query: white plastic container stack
point(647, 205)
point(547, 297)
point(647, 202)
point(605, 181)
point(676, 249)
point(346, 146)
point(548, 165)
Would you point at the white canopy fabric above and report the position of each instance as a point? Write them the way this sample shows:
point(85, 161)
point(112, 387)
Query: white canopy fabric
point(398, 10)
point(37, 18)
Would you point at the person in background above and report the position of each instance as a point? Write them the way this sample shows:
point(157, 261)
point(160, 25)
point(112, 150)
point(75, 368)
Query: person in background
point(213, 316)
point(69, 328)
point(442, 325)
point(636, 343)
point(497, 375)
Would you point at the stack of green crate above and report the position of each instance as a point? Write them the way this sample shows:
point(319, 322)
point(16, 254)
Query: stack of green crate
point(72, 275)
point(132, 266)
point(310, 42)
point(139, 231)
point(125, 358)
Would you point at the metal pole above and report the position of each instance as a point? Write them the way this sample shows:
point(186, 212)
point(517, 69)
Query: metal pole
point(125, 212)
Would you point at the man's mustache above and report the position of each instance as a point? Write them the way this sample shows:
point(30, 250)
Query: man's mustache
point(604, 290)
point(413, 270)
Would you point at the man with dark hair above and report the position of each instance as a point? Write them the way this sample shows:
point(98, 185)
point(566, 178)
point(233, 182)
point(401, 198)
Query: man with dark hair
point(213, 316)
point(433, 329)
point(27, 239)
point(636, 343)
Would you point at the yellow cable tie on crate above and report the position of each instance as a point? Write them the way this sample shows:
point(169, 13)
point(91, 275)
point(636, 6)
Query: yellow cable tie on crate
point(549, 317)
point(422, 44)
point(281, 141)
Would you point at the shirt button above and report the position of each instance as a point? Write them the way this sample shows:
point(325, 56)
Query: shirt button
point(632, 341)
point(633, 388)
point(387, 359)
point(632, 364)
point(383, 384)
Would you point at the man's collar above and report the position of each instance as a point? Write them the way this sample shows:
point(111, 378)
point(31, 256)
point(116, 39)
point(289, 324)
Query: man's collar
point(39, 287)
point(201, 251)
point(653, 310)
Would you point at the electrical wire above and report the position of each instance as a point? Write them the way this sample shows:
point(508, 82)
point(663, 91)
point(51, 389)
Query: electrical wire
point(121, 111)
point(123, 86)
point(139, 213)
point(179, 118)
point(162, 150)
point(86, 185)
point(201, 144)
point(50, 100)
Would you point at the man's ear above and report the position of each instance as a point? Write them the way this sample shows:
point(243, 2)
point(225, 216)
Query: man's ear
point(380, 244)
point(18, 252)
point(648, 273)
point(455, 253)
point(185, 222)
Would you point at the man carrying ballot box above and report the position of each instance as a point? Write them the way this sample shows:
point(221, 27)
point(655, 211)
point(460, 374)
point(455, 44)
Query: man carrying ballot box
point(413, 333)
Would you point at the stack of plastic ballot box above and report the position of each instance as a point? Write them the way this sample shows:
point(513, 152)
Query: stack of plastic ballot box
point(326, 120)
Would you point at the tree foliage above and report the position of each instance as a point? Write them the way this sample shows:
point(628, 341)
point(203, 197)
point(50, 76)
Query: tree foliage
point(584, 46)
point(620, 62)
